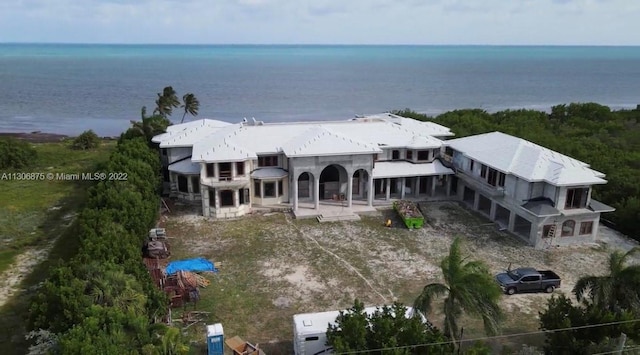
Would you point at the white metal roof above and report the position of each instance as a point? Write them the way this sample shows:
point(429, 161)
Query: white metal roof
point(212, 140)
point(423, 127)
point(315, 323)
point(185, 167)
point(527, 160)
point(392, 169)
point(320, 141)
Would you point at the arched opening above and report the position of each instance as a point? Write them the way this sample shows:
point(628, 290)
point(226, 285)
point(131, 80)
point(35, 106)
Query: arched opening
point(360, 184)
point(333, 181)
point(305, 184)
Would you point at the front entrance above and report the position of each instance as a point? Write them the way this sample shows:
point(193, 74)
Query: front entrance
point(333, 180)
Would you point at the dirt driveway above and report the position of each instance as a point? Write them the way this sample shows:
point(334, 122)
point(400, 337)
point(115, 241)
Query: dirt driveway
point(274, 266)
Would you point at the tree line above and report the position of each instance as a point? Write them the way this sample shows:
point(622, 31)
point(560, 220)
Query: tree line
point(607, 140)
point(103, 301)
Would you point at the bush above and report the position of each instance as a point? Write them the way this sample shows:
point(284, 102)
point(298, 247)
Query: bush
point(87, 140)
point(16, 154)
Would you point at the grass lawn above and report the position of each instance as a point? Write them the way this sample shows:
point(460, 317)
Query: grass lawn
point(37, 229)
point(31, 209)
point(274, 266)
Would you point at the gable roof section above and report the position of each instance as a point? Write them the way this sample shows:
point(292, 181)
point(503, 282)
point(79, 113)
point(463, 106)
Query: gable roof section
point(188, 134)
point(222, 146)
point(525, 159)
point(318, 140)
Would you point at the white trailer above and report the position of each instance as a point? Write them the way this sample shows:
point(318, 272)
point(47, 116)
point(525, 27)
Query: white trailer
point(310, 330)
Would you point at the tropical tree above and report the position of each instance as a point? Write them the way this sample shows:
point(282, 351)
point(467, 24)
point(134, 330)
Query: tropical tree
point(190, 104)
point(166, 102)
point(386, 328)
point(149, 126)
point(468, 287)
point(619, 290)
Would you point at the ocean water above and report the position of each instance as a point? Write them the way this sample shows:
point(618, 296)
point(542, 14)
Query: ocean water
point(64, 88)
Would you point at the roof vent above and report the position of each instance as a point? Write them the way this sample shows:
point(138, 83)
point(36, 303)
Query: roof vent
point(307, 322)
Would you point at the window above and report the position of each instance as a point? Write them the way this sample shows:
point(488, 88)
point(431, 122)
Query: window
point(567, 228)
point(471, 163)
point(210, 171)
point(409, 154)
point(182, 184)
point(240, 168)
point(226, 198)
point(164, 152)
point(269, 189)
point(268, 160)
point(212, 198)
point(195, 184)
point(256, 188)
point(448, 151)
point(492, 177)
point(244, 197)
point(530, 279)
point(395, 154)
point(576, 198)
point(586, 228)
point(423, 155)
point(546, 231)
point(280, 188)
point(483, 171)
point(225, 171)
point(311, 338)
point(501, 177)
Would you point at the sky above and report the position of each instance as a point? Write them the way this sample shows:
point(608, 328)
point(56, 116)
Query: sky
point(454, 22)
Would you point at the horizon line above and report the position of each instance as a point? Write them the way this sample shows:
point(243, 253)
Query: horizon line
point(316, 44)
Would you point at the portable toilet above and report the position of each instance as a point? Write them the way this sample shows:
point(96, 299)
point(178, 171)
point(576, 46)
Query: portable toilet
point(215, 339)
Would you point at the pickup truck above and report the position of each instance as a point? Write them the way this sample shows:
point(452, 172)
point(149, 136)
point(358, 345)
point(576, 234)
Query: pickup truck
point(528, 280)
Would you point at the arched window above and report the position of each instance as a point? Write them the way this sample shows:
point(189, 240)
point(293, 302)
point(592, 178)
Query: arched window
point(568, 228)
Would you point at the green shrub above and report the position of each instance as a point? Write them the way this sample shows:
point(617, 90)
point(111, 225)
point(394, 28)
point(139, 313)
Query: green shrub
point(16, 154)
point(87, 140)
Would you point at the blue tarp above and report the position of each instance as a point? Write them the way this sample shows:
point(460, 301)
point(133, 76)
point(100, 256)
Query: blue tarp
point(197, 264)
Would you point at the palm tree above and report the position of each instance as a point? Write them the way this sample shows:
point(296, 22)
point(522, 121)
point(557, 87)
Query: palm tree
point(166, 102)
point(190, 104)
point(150, 126)
point(619, 290)
point(468, 287)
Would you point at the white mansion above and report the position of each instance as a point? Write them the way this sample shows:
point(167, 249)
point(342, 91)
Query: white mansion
point(532, 191)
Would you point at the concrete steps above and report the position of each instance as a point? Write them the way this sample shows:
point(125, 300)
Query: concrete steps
point(338, 218)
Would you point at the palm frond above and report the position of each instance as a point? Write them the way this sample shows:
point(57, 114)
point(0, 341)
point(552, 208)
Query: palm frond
point(429, 293)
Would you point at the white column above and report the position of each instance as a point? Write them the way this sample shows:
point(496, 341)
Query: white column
point(416, 186)
point(512, 221)
point(388, 182)
point(492, 211)
point(403, 183)
point(349, 191)
point(433, 185)
point(449, 179)
point(316, 192)
point(371, 191)
point(262, 191)
point(236, 198)
point(216, 171)
point(295, 194)
point(233, 170)
point(476, 200)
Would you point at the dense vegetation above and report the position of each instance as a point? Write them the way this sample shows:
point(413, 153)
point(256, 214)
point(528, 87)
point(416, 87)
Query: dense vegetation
point(16, 154)
point(87, 140)
point(612, 299)
point(103, 300)
point(607, 140)
point(388, 327)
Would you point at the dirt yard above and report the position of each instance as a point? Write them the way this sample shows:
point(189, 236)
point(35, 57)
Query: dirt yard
point(274, 266)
